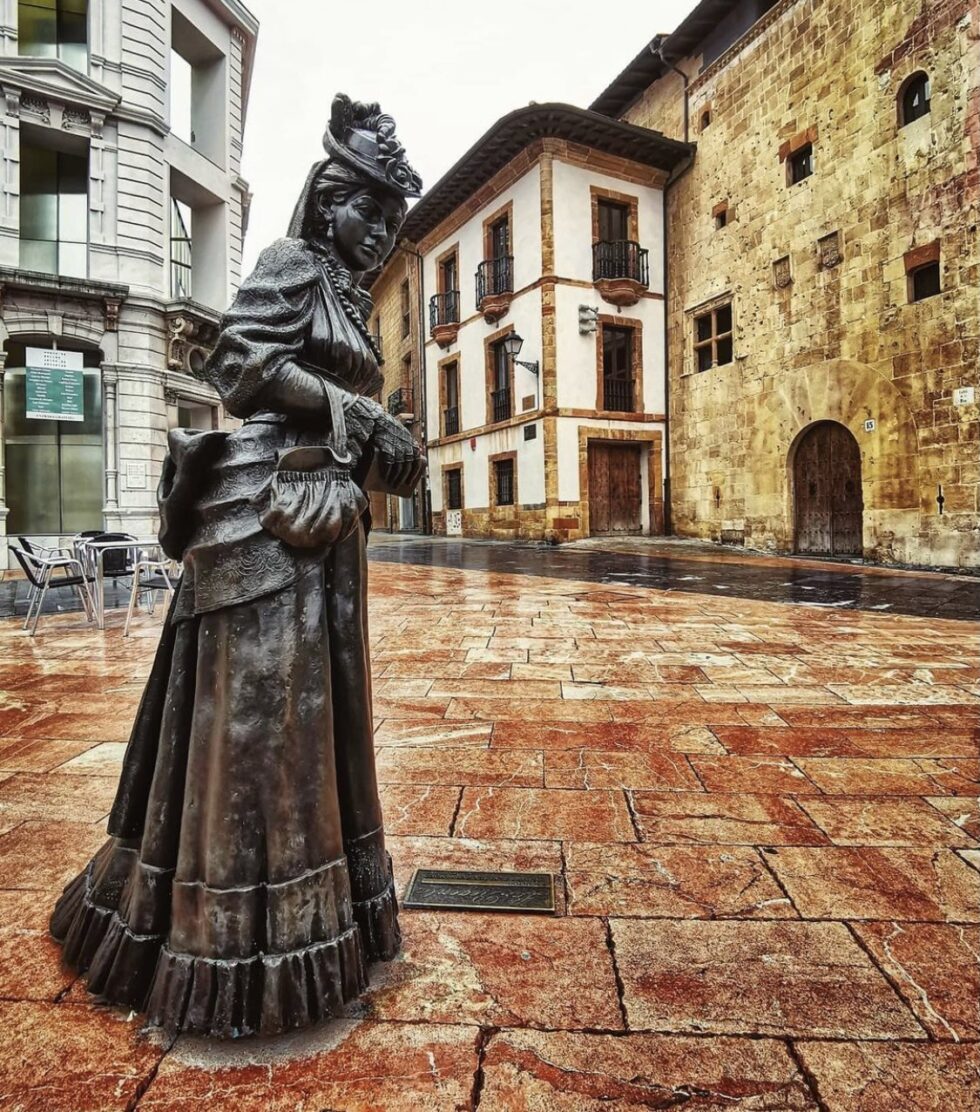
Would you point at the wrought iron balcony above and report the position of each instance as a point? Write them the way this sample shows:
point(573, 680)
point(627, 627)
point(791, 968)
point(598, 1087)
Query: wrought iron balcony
point(617, 395)
point(450, 420)
point(621, 258)
point(400, 401)
point(494, 276)
point(500, 404)
point(444, 308)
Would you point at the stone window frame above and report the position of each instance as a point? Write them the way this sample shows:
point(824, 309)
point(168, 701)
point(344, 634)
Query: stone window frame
point(493, 460)
point(902, 117)
point(722, 214)
point(441, 366)
point(607, 320)
point(793, 147)
point(489, 342)
point(505, 212)
point(704, 117)
point(918, 259)
point(447, 469)
point(712, 305)
point(405, 295)
point(629, 201)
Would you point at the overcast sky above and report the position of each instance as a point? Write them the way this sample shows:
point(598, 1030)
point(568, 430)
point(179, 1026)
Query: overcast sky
point(445, 69)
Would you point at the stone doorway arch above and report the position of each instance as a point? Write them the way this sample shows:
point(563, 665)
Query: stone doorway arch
point(828, 506)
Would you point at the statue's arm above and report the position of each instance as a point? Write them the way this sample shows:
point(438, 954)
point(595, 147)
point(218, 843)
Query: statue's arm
point(255, 362)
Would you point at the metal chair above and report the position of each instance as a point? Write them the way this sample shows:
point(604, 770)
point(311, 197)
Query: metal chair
point(150, 576)
point(40, 574)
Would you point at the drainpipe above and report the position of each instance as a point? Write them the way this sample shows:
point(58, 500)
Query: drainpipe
point(426, 492)
point(657, 50)
point(675, 176)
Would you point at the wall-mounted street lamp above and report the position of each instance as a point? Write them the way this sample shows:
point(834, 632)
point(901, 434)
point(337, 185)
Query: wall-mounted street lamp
point(512, 345)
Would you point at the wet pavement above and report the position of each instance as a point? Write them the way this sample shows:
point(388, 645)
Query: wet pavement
point(769, 580)
point(762, 820)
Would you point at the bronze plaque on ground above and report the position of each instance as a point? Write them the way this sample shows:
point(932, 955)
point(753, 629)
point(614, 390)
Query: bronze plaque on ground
point(463, 890)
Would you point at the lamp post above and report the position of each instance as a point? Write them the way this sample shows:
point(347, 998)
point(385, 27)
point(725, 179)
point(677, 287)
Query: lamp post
point(512, 345)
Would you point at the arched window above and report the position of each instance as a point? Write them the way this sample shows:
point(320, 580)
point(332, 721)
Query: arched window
point(705, 118)
point(913, 99)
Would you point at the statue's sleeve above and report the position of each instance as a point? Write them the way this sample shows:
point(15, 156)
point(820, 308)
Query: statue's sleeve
point(254, 362)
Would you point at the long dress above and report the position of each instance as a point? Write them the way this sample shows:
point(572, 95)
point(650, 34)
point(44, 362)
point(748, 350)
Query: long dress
point(245, 885)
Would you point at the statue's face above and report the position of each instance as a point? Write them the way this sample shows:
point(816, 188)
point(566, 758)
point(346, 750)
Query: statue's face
point(364, 228)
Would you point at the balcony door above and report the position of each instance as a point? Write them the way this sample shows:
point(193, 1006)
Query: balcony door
point(614, 220)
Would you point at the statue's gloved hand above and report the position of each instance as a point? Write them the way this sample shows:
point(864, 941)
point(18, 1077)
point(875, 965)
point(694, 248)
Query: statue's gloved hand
point(399, 458)
point(362, 416)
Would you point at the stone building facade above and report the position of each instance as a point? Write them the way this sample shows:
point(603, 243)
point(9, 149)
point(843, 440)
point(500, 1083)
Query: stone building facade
point(548, 234)
point(396, 325)
point(122, 214)
point(828, 223)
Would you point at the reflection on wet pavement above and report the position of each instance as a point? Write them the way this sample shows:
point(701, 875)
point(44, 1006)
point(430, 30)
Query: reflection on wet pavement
point(899, 593)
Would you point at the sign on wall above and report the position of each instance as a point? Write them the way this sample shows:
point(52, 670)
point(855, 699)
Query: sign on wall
point(55, 385)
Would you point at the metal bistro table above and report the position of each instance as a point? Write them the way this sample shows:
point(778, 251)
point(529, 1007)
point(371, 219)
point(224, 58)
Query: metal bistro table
point(95, 555)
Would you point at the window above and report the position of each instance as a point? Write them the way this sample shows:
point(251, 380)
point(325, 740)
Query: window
point(914, 99)
point(499, 238)
point(500, 395)
point(713, 337)
point(197, 89)
point(705, 118)
point(450, 385)
point(406, 309)
point(720, 214)
point(800, 164)
point(54, 468)
point(617, 369)
point(503, 482)
point(181, 259)
point(53, 211)
point(448, 272)
point(924, 282)
point(54, 29)
point(190, 415)
point(613, 221)
point(454, 489)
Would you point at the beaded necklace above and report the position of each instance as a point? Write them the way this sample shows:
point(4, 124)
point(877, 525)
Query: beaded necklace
point(352, 300)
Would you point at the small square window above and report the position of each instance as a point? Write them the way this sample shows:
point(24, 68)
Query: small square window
point(721, 218)
point(924, 282)
point(800, 164)
point(713, 338)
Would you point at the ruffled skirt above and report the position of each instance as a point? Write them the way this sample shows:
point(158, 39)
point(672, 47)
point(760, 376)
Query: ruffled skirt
point(246, 885)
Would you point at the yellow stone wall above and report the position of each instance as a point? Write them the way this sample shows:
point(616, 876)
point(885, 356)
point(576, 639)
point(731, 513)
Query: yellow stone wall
point(840, 342)
point(386, 319)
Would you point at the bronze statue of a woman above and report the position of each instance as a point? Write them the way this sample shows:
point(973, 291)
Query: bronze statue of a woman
point(245, 885)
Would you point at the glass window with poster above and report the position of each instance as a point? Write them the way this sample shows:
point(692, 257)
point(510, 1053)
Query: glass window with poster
point(54, 468)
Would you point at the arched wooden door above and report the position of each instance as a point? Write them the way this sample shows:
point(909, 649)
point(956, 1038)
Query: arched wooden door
point(827, 492)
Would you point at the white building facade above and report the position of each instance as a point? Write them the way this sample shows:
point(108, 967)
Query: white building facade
point(550, 228)
point(122, 216)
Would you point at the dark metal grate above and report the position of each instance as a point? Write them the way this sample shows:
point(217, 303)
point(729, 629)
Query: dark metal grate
point(621, 258)
point(494, 276)
point(444, 308)
point(450, 419)
point(500, 402)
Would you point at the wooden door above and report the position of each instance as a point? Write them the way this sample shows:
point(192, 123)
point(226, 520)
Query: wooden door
point(827, 491)
point(615, 499)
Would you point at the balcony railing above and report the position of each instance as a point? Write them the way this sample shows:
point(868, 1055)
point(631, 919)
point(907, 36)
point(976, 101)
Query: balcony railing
point(444, 308)
point(617, 395)
point(400, 401)
point(621, 258)
point(450, 420)
point(500, 404)
point(494, 276)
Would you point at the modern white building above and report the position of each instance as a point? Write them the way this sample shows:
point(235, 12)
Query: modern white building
point(122, 215)
point(549, 229)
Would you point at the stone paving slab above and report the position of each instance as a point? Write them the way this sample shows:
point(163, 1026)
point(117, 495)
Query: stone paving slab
point(763, 820)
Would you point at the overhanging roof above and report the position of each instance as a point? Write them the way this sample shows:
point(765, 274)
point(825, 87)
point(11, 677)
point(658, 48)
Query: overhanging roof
point(517, 130)
point(646, 67)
